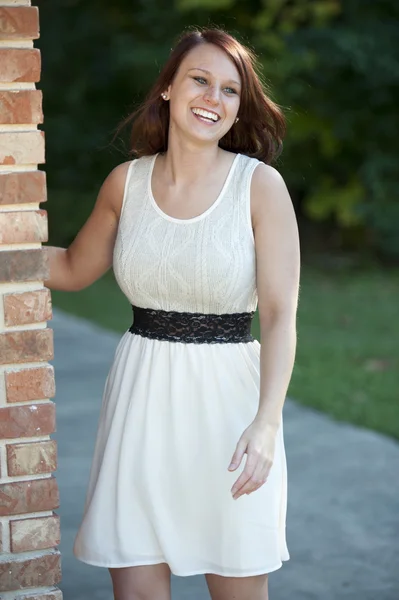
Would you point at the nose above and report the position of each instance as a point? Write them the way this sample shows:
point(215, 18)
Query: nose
point(212, 95)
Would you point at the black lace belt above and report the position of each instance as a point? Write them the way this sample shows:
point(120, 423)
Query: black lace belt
point(195, 328)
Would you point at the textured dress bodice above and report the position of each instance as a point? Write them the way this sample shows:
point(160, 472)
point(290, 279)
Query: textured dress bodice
point(205, 264)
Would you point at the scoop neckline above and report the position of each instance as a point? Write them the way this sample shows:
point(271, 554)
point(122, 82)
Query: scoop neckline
point(203, 214)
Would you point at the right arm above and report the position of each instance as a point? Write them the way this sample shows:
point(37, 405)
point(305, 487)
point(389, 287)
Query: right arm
point(90, 254)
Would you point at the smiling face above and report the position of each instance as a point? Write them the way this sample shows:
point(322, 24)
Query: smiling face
point(205, 94)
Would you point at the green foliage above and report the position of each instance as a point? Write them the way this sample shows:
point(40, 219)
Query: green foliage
point(333, 65)
point(352, 91)
point(328, 200)
point(186, 5)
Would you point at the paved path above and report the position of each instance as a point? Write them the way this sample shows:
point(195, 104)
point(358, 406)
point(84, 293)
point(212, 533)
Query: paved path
point(343, 512)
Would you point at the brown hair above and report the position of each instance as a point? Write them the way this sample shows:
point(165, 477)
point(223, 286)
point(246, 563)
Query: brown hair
point(261, 124)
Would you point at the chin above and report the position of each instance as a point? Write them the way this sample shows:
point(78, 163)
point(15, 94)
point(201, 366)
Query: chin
point(209, 134)
point(208, 137)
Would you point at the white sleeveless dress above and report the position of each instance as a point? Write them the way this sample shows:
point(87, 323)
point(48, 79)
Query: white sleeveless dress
point(173, 412)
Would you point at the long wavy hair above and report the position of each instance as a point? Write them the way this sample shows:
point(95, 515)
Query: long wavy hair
point(261, 126)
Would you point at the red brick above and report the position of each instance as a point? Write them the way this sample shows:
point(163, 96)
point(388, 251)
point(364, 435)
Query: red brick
point(28, 307)
point(20, 64)
point(23, 265)
point(26, 346)
point(34, 534)
point(32, 458)
point(28, 420)
point(22, 147)
point(23, 187)
point(21, 497)
point(20, 107)
point(30, 384)
point(19, 22)
point(56, 595)
point(19, 573)
point(23, 226)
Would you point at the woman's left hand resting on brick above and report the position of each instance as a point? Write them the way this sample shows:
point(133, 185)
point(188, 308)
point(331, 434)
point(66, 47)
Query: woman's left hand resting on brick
point(90, 254)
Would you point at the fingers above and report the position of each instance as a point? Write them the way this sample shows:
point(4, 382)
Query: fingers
point(254, 483)
point(252, 478)
point(245, 476)
point(238, 455)
point(240, 483)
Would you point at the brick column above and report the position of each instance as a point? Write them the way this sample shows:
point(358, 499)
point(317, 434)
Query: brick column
point(29, 529)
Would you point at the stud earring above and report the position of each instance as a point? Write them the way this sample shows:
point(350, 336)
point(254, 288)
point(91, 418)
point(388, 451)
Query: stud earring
point(164, 95)
point(237, 119)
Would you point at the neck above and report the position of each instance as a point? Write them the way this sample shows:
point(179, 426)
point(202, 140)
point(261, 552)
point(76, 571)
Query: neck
point(185, 163)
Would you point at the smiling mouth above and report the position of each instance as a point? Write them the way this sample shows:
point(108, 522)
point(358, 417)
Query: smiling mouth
point(205, 115)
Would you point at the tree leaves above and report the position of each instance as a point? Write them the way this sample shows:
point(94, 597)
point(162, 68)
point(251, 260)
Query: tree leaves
point(333, 65)
point(186, 5)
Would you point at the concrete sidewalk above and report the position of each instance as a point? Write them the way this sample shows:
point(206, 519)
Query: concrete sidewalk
point(343, 509)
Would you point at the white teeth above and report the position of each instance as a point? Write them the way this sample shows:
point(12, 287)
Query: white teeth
point(205, 113)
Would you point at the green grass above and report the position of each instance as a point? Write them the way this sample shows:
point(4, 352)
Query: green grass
point(347, 361)
point(348, 347)
point(102, 302)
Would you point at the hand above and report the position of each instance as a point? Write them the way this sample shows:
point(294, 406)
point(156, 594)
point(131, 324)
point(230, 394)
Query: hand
point(258, 442)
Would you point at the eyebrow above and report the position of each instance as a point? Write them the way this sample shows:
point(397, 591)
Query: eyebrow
point(209, 73)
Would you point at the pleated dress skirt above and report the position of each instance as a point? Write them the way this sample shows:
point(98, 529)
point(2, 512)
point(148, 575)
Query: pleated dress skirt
point(159, 489)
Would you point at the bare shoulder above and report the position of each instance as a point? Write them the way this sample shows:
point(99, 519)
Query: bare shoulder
point(113, 187)
point(270, 199)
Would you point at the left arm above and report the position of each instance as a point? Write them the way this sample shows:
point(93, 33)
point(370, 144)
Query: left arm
point(277, 277)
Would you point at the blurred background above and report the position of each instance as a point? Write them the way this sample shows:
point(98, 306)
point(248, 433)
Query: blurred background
point(333, 65)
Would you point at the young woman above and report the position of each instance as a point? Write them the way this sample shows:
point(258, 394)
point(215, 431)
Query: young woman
point(189, 469)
